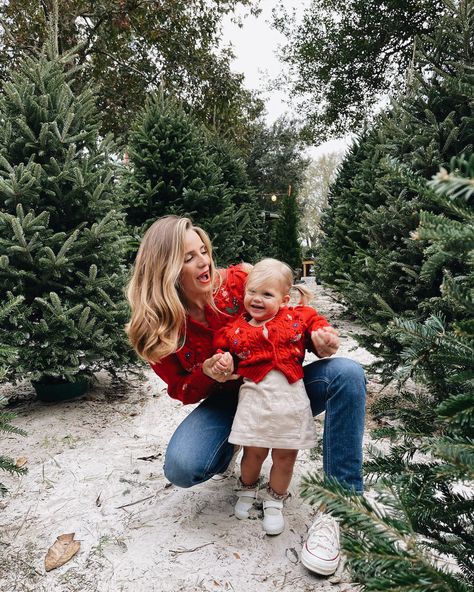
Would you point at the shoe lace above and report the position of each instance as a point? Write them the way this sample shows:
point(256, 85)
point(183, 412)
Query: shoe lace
point(323, 532)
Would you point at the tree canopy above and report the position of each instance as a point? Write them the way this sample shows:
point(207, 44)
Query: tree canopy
point(129, 47)
point(344, 55)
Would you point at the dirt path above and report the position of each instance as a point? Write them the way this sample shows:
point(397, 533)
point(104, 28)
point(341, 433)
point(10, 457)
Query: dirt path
point(95, 468)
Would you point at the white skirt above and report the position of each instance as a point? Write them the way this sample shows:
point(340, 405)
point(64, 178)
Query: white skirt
point(273, 414)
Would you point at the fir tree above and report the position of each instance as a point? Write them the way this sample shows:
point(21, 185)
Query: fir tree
point(376, 201)
point(7, 357)
point(62, 234)
point(248, 219)
point(173, 172)
point(285, 243)
point(424, 515)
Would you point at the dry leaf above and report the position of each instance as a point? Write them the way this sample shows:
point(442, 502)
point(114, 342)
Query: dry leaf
point(236, 555)
point(61, 551)
point(20, 462)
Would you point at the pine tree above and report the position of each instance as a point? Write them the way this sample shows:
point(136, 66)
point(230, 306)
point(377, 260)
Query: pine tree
point(423, 520)
point(249, 220)
point(173, 172)
point(62, 234)
point(376, 202)
point(7, 357)
point(286, 245)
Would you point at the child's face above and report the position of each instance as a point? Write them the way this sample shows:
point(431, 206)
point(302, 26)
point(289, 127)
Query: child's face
point(263, 300)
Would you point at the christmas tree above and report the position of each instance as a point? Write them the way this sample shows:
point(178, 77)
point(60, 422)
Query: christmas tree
point(172, 171)
point(7, 357)
point(62, 234)
point(418, 536)
point(248, 220)
point(285, 242)
point(376, 202)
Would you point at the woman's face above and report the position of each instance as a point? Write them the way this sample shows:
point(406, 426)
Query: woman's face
point(195, 278)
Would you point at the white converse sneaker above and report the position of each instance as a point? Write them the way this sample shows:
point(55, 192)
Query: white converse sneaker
point(273, 521)
point(245, 503)
point(230, 468)
point(321, 552)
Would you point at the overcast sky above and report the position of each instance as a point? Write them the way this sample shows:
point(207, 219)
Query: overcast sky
point(255, 46)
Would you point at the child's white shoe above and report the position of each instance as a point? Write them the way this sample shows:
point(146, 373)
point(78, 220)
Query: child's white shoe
point(245, 503)
point(273, 521)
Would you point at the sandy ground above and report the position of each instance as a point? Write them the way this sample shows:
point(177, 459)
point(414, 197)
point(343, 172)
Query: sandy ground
point(95, 469)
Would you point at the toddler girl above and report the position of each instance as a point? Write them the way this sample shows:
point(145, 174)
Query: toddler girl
point(267, 344)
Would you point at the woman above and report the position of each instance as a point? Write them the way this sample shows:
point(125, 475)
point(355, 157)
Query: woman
point(179, 300)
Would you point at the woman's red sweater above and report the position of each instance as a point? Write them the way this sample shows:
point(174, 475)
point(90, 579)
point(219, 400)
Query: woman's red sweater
point(182, 371)
point(278, 344)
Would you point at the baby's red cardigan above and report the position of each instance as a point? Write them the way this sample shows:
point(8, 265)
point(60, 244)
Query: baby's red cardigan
point(282, 349)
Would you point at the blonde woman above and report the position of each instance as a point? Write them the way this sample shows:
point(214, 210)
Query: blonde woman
point(179, 301)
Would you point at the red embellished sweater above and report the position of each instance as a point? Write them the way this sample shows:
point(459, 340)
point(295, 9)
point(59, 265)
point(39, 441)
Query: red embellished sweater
point(278, 344)
point(182, 371)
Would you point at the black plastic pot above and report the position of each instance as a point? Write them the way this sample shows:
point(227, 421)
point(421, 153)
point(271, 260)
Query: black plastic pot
point(52, 392)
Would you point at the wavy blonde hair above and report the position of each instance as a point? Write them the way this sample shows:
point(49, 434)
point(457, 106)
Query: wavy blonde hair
point(271, 269)
point(158, 319)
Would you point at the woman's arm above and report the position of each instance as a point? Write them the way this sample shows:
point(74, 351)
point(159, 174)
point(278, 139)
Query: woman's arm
point(187, 387)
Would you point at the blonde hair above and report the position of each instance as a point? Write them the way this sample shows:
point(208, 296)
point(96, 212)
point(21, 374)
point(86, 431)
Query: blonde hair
point(271, 269)
point(158, 319)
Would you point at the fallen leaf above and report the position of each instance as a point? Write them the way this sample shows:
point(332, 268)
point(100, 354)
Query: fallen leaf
point(292, 555)
point(61, 551)
point(20, 462)
point(236, 555)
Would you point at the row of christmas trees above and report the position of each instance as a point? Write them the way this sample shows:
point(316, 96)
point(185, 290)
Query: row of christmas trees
point(399, 247)
point(72, 214)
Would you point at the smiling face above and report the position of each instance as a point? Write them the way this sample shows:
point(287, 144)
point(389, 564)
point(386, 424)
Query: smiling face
point(195, 277)
point(263, 300)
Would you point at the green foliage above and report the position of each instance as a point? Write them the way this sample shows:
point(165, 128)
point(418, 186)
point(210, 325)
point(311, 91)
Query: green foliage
point(128, 48)
point(7, 356)
point(177, 167)
point(276, 159)
point(343, 56)
point(371, 251)
point(381, 539)
point(62, 234)
point(286, 245)
point(419, 533)
point(6, 463)
point(276, 166)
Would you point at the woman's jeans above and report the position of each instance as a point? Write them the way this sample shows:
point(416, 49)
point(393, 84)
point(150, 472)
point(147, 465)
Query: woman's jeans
point(199, 449)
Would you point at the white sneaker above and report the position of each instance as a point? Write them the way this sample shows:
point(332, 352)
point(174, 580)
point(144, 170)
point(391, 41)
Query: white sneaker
point(321, 551)
point(273, 521)
point(230, 468)
point(245, 503)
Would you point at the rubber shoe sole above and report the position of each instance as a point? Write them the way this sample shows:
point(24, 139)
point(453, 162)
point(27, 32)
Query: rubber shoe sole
point(323, 567)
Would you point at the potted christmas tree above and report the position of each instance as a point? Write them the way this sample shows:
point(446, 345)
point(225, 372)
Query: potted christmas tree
point(62, 234)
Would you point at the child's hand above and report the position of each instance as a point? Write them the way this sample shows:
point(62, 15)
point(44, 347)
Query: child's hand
point(325, 341)
point(220, 367)
point(225, 364)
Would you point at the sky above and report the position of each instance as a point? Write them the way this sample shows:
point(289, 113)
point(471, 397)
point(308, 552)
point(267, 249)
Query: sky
point(255, 46)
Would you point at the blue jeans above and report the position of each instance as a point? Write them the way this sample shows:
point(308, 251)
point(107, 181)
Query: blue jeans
point(199, 449)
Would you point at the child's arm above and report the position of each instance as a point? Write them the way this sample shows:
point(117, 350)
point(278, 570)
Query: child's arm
point(225, 364)
point(325, 341)
point(320, 336)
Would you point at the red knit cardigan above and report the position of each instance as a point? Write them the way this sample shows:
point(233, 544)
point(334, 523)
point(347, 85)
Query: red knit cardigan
point(282, 349)
point(182, 371)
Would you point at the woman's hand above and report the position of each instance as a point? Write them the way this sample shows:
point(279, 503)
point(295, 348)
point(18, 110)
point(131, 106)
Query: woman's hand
point(220, 367)
point(325, 341)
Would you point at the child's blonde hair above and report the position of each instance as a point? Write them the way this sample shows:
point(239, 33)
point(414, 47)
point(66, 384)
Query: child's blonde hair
point(271, 269)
